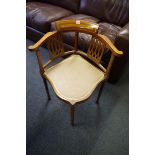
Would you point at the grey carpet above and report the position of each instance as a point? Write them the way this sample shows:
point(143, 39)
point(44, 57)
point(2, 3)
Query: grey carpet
point(98, 130)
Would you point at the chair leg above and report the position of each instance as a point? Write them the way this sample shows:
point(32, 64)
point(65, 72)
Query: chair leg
point(99, 94)
point(72, 110)
point(46, 88)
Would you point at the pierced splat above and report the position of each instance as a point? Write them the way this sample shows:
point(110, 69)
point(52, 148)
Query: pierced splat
point(95, 50)
point(55, 46)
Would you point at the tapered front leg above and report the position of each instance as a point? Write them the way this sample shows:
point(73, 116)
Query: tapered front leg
point(99, 94)
point(46, 88)
point(72, 110)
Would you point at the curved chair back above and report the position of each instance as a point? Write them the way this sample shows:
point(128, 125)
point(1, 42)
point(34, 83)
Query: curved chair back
point(97, 45)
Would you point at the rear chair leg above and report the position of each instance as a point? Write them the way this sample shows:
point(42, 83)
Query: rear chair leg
point(46, 88)
point(99, 94)
point(72, 110)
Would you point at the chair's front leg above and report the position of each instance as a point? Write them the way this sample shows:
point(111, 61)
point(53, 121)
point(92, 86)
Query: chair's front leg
point(46, 88)
point(41, 73)
point(99, 94)
point(72, 110)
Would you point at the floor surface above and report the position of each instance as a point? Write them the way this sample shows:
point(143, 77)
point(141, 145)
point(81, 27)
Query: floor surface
point(98, 130)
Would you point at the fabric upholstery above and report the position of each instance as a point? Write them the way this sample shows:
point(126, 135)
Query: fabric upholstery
point(40, 15)
point(74, 78)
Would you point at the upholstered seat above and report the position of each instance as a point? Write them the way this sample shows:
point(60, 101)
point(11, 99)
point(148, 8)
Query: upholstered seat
point(74, 78)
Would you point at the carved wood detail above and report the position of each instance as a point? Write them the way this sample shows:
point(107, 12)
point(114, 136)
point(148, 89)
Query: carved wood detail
point(55, 46)
point(96, 50)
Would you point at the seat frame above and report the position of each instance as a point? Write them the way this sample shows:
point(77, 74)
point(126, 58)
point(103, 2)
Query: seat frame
point(93, 55)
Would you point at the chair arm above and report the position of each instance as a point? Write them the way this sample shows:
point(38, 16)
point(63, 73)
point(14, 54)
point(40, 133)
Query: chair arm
point(111, 46)
point(36, 46)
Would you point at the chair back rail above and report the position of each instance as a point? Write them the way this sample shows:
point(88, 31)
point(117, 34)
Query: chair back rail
point(69, 25)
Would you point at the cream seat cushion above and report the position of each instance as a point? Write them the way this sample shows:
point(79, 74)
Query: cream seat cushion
point(74, 79)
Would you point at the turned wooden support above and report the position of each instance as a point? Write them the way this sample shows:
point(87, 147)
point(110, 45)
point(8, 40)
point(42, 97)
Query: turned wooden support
point(99, 94)
point(42, 72)
point(46, 88)
point(72, 110)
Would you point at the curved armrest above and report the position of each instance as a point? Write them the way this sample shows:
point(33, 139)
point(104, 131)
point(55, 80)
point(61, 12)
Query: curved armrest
point(36, 46)
point(111, 46)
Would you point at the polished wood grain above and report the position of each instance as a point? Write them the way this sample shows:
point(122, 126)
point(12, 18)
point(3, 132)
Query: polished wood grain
point(73, 25)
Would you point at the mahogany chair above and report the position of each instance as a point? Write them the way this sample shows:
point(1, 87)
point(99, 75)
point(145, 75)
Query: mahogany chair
point(75, 77)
